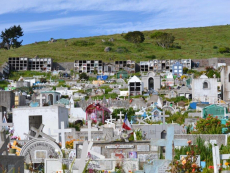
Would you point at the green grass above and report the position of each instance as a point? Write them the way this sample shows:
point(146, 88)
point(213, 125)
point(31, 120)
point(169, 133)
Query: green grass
point(196, 43)
point(3, 84)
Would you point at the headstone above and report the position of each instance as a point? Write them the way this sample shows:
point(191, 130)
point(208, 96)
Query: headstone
point(120, 115)
point(62, 131)
point(38, 132)
point(215, 156)
point(163, 117)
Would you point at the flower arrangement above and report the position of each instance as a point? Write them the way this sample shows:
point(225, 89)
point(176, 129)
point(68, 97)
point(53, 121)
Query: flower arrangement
point(186, 164)
point(69, 144)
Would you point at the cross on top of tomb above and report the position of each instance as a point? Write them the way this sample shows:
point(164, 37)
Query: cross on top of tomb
point(110, 121)
point(163, 116)
point(120, 115)
point(38, 132)
point(4, 124)
point(62, 131)
point(168, 142)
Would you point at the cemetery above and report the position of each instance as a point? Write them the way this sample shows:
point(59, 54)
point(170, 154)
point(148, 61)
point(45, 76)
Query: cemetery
point(118, 122)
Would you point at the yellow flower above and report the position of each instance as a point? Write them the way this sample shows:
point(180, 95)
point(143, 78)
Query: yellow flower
point(226, 163)
point(184, 162)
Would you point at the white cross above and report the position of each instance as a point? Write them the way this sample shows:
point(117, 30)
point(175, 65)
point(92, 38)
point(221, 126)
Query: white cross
point(62, 131)
point(163, 116)
point(89, 130)
point(38, 132)
point(215, 156)
point(93, 152)
point(3, 142)
point(110, 121)
point(120, 115)
point(5, 124)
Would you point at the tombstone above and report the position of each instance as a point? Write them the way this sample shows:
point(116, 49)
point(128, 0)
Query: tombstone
point(169, 142)
point(163, 117)
point(62, 131)
point(120, 115)
point(38, 149)
point(215, 156)
point(38, 132)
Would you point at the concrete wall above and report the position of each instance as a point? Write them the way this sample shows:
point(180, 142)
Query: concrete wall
point(7, 99)
point(221, 139)
point(63, 65)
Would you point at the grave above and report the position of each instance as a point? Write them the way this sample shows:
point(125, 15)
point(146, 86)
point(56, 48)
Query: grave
point(12, 164)
point(62, 131)
point(162, 166)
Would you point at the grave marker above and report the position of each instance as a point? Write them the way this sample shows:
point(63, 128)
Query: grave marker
point(163, 116)
point(120, 115)
point(62, 131)
point(38, 132)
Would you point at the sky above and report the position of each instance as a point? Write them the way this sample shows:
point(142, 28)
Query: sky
point(45, 19)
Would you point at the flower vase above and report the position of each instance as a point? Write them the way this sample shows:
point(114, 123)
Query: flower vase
point(12, 151)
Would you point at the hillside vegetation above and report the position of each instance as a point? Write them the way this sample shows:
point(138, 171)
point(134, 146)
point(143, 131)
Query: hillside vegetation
point(196, 43)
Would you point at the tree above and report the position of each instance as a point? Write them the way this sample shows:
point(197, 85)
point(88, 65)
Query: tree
point(135, 37)
point(163, 39)
point(10, 37)
point(84, 76)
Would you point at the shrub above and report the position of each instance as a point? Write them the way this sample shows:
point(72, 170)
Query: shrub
point(151, 57)
point(215, 47)
point(224, 50)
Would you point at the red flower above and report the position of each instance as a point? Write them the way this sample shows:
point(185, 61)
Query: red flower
point(211, 167)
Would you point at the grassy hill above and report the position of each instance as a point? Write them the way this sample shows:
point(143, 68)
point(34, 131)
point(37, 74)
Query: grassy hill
point(196, 43)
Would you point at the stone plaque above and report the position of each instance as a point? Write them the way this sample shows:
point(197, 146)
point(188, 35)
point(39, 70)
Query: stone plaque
point(41, 154)
point(38, 149)
point(164, 167)
point(142, 147)
point(147, 157)
point(119, 146)
point(154, 148)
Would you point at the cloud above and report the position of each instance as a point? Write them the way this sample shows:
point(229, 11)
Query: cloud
point(106, 5)
point(54, 24)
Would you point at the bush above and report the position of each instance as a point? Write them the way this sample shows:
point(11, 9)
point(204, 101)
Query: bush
point(84, 76)
point(151, 57)
point(83, 43)
point(215, 47)
point(224, 50)
point(210, 125)
point(135, 37)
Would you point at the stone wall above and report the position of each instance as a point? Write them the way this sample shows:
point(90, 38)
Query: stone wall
point(221, 139)
point(7, 99)
point(63, 65)
point(194, 114)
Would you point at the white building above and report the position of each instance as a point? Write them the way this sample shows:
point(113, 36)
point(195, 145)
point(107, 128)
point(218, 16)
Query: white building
point(225, 83)
point(205, 89)
point(65, 91)
point(51, 116)
point(135, 86)
point(151, 81)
